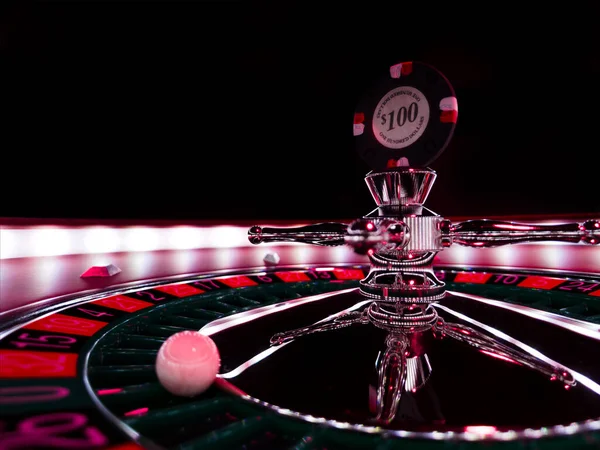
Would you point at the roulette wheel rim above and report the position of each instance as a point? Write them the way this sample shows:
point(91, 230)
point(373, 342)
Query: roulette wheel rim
point(475, 434)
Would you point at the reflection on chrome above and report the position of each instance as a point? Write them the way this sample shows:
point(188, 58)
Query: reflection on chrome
point(404, 365)
point(588, 329)
point(405, 299)
point(401, 236)
point(409, 306)
point(342, 320)
point(496, 349)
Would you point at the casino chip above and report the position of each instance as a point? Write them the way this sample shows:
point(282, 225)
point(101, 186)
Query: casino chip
point(407, 118)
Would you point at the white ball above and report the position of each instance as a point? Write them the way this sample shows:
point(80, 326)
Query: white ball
point(187, 363)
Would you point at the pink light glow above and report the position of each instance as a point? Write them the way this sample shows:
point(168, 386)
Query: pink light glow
point(136, 412)
point(483, 430)
point(62, 240)
point(502, 357)
point(514, 227)
point(109, 391)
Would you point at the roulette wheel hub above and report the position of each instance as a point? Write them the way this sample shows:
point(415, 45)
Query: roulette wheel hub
point(401, 236)
point(402, 296)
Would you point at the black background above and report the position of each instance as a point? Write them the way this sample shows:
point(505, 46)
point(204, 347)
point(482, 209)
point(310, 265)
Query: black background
point(242, 110)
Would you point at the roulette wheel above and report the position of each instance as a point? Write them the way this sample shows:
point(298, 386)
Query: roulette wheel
point(399, 329)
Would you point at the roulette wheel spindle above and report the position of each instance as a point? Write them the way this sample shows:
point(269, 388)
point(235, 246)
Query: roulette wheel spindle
point(401, 237)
